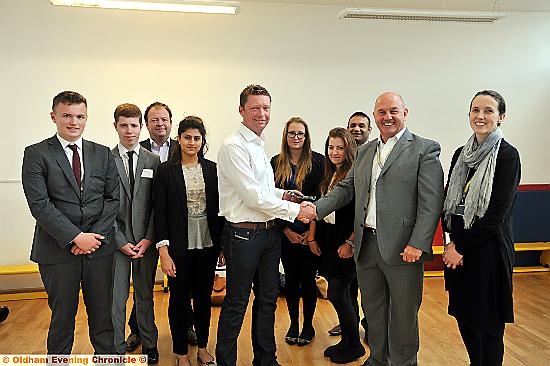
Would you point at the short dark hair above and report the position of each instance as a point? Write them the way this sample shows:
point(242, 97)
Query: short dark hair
point(191, 122)
point(252, 89)
point(156, 105)
point(69, 98)
point(359, 114)
point(129, 111)
point(496, 96)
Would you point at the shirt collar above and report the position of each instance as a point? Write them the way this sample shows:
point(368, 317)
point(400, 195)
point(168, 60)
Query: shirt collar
point(65, 143)
point(123, 150)
point(249, 135)
point(395, 138)
point(154, 144)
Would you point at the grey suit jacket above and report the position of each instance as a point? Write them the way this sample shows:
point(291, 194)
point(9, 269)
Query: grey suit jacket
point(409, 196)
point(60, 208)
point(135, 217)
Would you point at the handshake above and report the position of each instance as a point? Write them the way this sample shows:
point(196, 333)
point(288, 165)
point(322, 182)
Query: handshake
point(308, 210)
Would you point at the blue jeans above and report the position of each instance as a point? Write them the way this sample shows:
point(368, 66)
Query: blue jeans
point(252, 257)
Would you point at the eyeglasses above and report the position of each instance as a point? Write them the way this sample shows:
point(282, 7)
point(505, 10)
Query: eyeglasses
point(291, 134)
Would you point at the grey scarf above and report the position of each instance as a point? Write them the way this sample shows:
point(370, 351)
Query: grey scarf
point(483, 158)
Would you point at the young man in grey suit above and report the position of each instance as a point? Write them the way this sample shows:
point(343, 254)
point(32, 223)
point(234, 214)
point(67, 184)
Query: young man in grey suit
point(397, 182)
point(72, 190)
point(134, 235)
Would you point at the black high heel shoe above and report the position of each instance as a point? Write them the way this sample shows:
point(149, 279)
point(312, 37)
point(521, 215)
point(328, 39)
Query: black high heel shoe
point(306, 336)
point(292, 335)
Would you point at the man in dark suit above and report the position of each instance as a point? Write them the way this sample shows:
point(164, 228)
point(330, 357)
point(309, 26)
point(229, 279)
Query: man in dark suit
point(397, 182)
point(134, 233)
point(72, 189)
point(158, 120)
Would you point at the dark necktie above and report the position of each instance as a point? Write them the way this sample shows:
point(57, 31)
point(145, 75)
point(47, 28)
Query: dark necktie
point(76, 164)
point(131, 169)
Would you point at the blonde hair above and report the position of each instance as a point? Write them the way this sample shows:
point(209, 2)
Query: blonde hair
point(283, 171)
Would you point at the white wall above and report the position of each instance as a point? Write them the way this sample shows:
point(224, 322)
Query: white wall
point(314, 65)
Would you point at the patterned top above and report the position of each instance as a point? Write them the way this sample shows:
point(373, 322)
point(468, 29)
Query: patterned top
point(196, 196)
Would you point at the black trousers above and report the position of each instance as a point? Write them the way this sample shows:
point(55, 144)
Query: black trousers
point(62, 282)
point(300, 266)
point(339, 296)
point(484, 348)
point(194, 273)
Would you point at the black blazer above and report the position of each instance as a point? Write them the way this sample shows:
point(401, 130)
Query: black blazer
point(173, 146)
point(170, 205)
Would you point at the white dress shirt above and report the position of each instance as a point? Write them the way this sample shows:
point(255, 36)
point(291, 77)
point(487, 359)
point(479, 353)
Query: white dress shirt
point(383, 150)
point(162, 150)
point(246, 183)
point(123, 154)
point(65, 145)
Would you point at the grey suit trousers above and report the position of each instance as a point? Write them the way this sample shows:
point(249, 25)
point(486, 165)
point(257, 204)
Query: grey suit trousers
point(143, 270)
point(391, 296)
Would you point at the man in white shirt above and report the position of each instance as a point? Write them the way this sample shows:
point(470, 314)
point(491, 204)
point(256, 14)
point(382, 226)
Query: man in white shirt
point(397, 182)
point(251, 244)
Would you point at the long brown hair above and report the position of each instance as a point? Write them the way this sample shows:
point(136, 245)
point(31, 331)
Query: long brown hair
point(330, 169)
point(283, 171)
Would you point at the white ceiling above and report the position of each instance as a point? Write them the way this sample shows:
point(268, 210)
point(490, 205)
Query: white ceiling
point(471, 5)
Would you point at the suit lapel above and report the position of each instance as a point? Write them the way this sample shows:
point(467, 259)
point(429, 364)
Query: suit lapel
point(87, 161)
point(367, 164)
point(63, 162)
point(180, 185)
point(121, 171)
point(139, 169)
point(402, 144)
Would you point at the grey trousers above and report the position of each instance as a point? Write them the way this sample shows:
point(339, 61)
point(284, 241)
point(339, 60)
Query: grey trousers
point(142, 270)
point(391, 296)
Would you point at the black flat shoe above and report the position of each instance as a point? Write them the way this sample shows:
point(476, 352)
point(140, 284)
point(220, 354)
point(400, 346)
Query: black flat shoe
point(347, 354)
point(292, 335)
point(306, 336)
point(336, 331)
point(329, 351)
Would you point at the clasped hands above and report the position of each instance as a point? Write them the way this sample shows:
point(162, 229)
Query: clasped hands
point(451, 257)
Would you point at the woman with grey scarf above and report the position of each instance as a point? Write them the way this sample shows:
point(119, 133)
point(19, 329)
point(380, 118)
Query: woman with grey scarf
point(480, 193)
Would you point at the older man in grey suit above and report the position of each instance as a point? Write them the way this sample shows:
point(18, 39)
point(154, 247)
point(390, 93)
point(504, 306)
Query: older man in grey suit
point(134, 234)
point(397, 182)
point(72, 190)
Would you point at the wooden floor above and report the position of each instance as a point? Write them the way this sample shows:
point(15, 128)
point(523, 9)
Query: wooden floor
point(527, 342)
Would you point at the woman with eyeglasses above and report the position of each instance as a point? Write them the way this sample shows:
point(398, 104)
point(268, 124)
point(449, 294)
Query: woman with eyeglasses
point(188, 230)
point(480, 193)
point(336, 239)
point(297, 167)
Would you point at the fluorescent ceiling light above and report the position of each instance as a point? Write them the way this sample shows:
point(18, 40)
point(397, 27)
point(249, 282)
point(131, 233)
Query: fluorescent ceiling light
point(421, 15)
point(186, 6)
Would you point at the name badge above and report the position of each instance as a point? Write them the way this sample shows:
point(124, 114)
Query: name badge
point(147, 173)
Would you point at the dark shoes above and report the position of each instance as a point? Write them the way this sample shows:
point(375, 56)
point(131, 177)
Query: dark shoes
point(306, 336)
point(333, 349)
point(292, 334)
point(348, 354)
point(4, 311)
point(191, 336)
point(336, 331)
point(132, 342)
point(152, 355)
